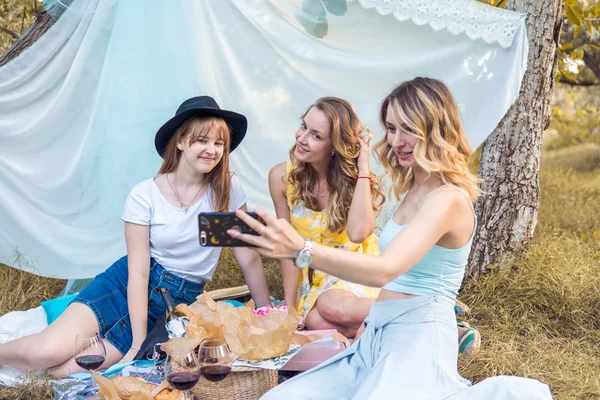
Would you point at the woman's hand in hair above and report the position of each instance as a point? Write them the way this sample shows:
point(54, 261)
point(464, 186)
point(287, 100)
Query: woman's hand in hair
point(278, 239)
point(364, 157)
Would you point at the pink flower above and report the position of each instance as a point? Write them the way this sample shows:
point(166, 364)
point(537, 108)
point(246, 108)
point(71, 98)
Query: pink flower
point(265, 310)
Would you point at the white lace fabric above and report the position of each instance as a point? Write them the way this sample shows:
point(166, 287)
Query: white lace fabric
point(476, 20)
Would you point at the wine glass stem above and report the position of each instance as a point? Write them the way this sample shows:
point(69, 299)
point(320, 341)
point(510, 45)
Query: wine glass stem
point(94, 387)
point(218, 394)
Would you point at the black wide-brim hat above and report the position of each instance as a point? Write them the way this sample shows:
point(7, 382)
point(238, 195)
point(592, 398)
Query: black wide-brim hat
point(201, 106)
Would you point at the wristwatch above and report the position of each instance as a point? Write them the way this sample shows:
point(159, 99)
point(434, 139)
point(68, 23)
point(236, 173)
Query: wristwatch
point(304, 257)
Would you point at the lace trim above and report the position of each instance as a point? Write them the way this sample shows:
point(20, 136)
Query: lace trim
point(476, 20)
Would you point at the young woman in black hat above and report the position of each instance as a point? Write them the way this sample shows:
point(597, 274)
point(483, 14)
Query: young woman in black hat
point(161, 232)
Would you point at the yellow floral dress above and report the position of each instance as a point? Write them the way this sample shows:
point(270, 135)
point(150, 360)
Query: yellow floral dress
point(313, 225)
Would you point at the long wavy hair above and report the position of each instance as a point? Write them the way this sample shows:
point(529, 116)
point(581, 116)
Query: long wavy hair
point(342, 175)
point(426, 106)
point(219, 178)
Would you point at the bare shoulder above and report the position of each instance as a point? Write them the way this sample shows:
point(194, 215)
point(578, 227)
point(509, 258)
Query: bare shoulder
point(277, 174)
point(448, 210)
point(279, 170)
point(277, 178)
point(449, 199)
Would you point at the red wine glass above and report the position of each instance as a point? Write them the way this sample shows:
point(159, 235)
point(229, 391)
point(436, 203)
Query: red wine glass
point(182, 370)
point(89, 353)
point(215, 360)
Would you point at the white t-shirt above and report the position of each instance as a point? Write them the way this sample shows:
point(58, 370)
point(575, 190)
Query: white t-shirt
point(174, 235)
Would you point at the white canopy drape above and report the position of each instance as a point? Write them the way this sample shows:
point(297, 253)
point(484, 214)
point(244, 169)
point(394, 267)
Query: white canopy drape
point(79, 109)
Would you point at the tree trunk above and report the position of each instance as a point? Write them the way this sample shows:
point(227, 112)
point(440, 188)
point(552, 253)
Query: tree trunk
point(510, 157)
point(42, 23)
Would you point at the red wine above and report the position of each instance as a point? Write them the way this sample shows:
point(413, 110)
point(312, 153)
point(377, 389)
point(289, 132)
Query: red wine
point(215, 373)
point(90, 362)
point(183, 380)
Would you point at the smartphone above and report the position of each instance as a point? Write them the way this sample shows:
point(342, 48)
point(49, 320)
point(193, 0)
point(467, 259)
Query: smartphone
point(213, 228)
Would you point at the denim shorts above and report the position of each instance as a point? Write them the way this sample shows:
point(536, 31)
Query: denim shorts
point(106, 295)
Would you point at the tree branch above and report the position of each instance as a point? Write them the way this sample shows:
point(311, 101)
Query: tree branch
point(592, 61)
point(42, 23)
point(11, 33)
point(24, 17)
point(578, 83)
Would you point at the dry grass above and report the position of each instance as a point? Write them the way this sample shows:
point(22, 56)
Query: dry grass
point(540, 318)
point(33, 390)
point(24, 290)
point(229, 274)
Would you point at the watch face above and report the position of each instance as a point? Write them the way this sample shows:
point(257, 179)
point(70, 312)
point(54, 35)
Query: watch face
point(303, 260)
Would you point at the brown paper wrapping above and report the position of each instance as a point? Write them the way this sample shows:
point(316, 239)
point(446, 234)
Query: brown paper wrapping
point(130, 388)
point(250, 336)
point(306, 339)
point(106, 389)
point(180, 345)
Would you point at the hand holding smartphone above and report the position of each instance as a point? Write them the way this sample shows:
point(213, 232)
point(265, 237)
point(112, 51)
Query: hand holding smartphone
point(213, 228)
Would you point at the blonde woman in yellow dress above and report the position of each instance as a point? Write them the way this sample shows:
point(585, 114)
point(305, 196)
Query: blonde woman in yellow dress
point(329, 195)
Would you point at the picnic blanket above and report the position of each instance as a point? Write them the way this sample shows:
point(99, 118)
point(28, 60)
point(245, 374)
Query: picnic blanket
point(79, 386)
point(14, 325)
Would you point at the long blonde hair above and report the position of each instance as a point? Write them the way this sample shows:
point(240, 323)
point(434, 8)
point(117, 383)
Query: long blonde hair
point(219, 178)
point(342, 175)
point(428, 109)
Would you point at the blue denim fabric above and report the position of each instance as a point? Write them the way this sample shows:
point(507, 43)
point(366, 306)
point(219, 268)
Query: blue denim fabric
point(106, 295)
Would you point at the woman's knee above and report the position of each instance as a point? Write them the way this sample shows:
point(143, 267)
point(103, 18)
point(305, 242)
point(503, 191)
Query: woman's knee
point(336, 312)
point(40, 354)
point(314, 321)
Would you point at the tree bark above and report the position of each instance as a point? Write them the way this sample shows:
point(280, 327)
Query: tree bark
point(42, 23)
point(510, 157)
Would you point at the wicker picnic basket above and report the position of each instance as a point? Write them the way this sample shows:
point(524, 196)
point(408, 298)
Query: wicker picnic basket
point(241, 384)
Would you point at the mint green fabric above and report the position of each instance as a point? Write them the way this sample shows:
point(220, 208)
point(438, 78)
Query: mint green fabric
point(79, 108)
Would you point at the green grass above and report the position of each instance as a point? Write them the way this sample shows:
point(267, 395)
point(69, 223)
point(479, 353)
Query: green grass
point(539, 317)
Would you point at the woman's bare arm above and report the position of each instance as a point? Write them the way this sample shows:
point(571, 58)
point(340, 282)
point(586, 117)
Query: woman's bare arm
point(137, 238)
point(254, 272)
point(436, 217)
point(290, 274)
point(361, 217)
